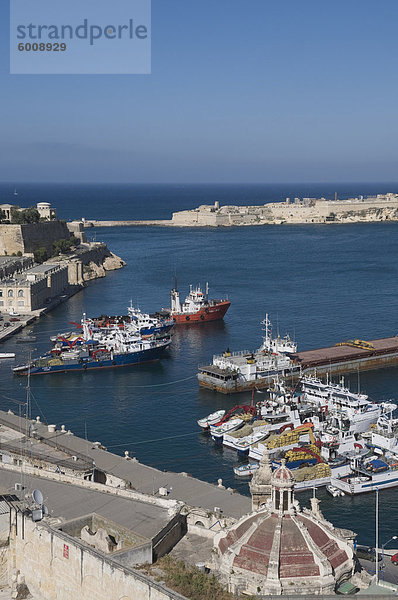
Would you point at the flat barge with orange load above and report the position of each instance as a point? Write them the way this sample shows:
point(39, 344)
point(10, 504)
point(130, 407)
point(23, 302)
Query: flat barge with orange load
point(245, 371)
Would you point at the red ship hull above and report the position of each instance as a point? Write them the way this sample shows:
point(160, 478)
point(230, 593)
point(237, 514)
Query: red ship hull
point(208, 313)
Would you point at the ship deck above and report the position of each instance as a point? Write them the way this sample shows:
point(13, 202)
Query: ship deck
point(384, 353)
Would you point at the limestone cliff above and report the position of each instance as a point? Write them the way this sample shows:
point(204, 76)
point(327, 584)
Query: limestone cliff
point(97, 268)
point(90, 261)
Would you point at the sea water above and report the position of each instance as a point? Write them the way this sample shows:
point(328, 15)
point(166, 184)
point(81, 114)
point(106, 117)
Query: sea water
point(321, 283)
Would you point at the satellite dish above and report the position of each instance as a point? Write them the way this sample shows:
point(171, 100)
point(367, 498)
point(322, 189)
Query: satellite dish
point(37, 496)
point(44, 510)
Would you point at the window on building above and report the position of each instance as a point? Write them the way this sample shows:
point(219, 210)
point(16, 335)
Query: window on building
point(1, 303)
point(21, 302)
point(20, 294)
point(10, 294)
point(10, 302)
point(1, 293)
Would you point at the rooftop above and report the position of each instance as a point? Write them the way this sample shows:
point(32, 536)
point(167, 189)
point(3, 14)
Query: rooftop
point(70, 502)
point(143, 478)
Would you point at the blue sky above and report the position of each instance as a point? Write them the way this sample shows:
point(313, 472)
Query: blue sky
point(240, 91)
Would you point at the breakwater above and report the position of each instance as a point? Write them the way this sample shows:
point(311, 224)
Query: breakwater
point(373, 209)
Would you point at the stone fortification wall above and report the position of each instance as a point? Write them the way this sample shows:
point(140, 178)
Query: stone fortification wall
point(56, 566)
point(30, 237)
point(90, 261)
point(305, 211)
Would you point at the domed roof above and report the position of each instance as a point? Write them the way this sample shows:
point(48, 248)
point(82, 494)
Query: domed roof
point(282, 476)
point(266, 546)
point(283, 549)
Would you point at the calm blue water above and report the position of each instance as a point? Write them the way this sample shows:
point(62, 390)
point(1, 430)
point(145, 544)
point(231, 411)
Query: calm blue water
point(322, 284)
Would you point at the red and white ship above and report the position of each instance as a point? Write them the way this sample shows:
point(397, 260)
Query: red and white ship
point(197, 307)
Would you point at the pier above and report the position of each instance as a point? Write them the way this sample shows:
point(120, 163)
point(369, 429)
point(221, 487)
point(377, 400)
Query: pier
point(344, 357)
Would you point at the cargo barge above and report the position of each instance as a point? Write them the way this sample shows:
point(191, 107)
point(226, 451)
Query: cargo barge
point(241, 372)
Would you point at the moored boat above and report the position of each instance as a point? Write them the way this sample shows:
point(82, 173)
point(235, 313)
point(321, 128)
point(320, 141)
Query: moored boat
point(218, 431)
point(334, 491)
point(246, 470)
point(118, 349)
point(197, 307)
point(211, 419)
point(368, 475)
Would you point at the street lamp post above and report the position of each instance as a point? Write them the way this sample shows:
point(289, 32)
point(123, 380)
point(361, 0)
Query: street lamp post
point(377, 535)
point(394, 537)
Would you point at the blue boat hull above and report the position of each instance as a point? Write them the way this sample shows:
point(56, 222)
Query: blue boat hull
point(90, 364)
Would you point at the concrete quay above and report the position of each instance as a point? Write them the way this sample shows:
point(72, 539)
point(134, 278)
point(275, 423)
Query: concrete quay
point(118, 474)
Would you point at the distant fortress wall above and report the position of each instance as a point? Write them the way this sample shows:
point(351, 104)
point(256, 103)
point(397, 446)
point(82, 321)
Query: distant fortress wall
point(28, 238)
point(306, 210)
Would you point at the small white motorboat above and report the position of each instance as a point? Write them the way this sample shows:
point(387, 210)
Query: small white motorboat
point(211, 419)
point(7, 354)
point(246, 470)
point(334, 491)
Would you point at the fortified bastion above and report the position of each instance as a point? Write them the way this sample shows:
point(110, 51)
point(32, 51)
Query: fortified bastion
point(383, 207)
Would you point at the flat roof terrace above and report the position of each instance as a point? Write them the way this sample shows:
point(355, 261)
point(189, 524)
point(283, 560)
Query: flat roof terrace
point(70, 502)
point(143, 478)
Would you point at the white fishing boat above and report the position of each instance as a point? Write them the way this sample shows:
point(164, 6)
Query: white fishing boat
point(367, 476)
point(211, 419)
point(7, 354)
point(217, 431)
point(329, 397)
point(232, 372)
point(241, 443)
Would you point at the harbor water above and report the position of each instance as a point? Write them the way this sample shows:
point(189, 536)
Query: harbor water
point(321, 283)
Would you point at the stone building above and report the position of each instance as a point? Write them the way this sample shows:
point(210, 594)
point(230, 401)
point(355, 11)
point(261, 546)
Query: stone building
point(281, 548)
point(44, 209)
point(31, 289)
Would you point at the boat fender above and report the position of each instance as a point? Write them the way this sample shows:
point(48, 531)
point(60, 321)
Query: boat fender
point(84, 366)
point(207, 311)
point(202, 317)
point(187, 318)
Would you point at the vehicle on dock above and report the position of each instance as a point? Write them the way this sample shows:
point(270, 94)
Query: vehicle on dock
point(197, 307)
point(368, 553)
